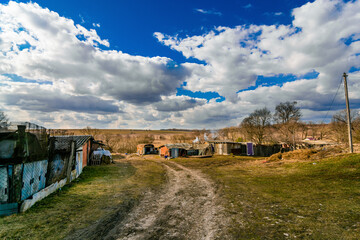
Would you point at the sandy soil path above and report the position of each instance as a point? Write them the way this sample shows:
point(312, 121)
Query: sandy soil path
point(187, 208)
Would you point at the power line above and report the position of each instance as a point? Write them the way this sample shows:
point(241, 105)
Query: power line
point(333, 99)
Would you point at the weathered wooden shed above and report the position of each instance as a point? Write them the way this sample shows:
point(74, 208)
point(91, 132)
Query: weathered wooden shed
point(23, 165)
point(61, 153)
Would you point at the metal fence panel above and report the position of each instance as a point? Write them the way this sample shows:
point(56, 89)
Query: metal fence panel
point(43, 170)
point(8, 209)
point(28, 181)
point(33, 178)
point(17, 182)
point(79, 162)
point(57, 169)
point(4, 188)
point(36, 176)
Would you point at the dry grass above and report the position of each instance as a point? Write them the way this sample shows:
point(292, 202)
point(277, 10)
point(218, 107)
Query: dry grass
point(306, 154)
point(99, 191)
point(288, 199)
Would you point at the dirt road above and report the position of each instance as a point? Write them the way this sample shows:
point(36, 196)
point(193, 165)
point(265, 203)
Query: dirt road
point(187, 208)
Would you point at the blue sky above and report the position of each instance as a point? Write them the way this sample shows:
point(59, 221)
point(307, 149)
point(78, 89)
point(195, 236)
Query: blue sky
point(159, 64)
point(129, 25)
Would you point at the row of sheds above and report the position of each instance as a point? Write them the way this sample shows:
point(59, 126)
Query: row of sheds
point(29, 164)
point(174, 150)
point(218, 147)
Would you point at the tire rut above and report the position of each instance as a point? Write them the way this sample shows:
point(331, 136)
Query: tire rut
point(187, 208)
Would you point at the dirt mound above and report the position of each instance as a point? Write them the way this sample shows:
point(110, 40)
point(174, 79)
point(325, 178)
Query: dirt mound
point(306, 154)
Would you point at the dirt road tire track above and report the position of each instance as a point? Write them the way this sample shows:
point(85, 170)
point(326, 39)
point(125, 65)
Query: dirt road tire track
point(187, 208)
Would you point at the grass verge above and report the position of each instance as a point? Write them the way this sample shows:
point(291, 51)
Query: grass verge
point(98, 192)
point(313, 199)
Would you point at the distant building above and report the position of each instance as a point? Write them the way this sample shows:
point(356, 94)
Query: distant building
point(144, 149)
point(225, 147)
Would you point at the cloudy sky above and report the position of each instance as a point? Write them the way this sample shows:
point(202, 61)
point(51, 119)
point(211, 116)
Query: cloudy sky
point(174, 64)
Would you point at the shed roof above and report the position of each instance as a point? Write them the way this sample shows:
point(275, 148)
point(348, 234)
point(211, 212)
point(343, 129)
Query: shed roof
point(63, 143)
point(179, 145)
point(145, 145)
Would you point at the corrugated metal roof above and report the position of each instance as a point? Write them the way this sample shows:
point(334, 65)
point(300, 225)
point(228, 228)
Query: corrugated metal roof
point(179, 145)
point(63, 143)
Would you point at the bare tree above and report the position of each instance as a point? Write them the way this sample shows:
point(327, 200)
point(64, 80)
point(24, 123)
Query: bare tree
point(256, 123)
point(287, 112)
point(288, 115)
point(4, 121)
point(339, 125)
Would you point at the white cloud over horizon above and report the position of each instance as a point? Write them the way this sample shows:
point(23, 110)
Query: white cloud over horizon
point(78, 80)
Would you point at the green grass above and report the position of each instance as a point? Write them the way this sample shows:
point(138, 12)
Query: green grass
point(303, 200)
point(98, 192)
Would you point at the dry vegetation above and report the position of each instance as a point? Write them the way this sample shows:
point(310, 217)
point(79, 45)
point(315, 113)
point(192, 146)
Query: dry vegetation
point(308, 154)
point(288, 199)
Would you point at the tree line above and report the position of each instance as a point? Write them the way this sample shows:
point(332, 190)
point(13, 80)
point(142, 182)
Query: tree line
point(285, 125)
point(286, 120)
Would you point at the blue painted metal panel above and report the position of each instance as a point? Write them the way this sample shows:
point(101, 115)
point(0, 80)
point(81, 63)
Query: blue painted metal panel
point(4, 187)
point(43, 170)
point(28, 181)
point(174, 152)
point(56, 169)
point(36, 177)
point(33, 178)
point(8, 209)
point(250, 149)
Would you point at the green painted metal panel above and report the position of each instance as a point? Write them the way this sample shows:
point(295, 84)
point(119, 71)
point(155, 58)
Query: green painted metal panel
point(4, 188)
point(8, 209)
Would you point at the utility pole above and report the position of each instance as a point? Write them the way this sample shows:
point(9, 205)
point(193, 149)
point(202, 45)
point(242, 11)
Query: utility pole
point(348, 113)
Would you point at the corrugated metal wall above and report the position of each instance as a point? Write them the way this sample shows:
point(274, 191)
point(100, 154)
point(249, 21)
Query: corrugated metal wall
point(57, 169)
point(79, 163)
point(33, 178)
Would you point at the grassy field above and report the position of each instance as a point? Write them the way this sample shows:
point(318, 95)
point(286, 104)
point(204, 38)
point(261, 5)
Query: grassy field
point(280, 199)
point(98, 192)
point(314, 199)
